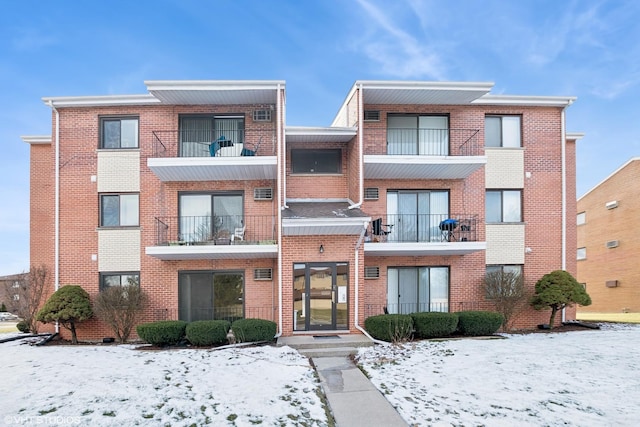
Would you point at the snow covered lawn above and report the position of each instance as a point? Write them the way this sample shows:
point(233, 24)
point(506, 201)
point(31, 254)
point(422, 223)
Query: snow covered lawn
point(588, 378)
point(118, 385)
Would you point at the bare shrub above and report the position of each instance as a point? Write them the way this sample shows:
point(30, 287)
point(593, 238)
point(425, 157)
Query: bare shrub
point(120, 307)
point(30, 291)
point(507, 292)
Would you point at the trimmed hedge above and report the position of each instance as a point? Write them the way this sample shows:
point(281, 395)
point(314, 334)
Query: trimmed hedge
point(23, 326)
point(164, 332)
point(434, 324)
point(389, 327)
point(475, 323)
point(207, 332)
point(254, 330)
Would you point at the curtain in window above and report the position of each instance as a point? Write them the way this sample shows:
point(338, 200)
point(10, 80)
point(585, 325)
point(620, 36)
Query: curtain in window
point(439, 287)
point(433, 134)
point(196, 133)
point(439, 205)
point(231, 129)
point(402, 137)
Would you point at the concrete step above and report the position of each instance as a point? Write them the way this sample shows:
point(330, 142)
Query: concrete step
point(326, 345)
point(329, 352)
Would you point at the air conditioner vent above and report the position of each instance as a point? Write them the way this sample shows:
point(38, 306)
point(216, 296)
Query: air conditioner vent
point(613, 244)
point(371, 272)
point(263, 193)
point(371, 116)
point(263, 274)
point(611, 205)
point(371, 193)
point(611, 283)
point(262, 115)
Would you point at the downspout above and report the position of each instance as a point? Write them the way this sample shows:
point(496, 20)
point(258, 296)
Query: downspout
point(360, 148)
point(564, 194)
point(56, 225)
point(357, 279)
point(280, 194)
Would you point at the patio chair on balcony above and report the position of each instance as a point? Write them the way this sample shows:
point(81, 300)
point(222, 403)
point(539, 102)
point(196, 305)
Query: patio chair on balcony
point(380, 230)
point(251, 151)
point(238, 233)
point(447, 228)
point(219, 143)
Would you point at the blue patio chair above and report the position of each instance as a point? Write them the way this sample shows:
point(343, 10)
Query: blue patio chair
point(251, 151)
point(217, 144)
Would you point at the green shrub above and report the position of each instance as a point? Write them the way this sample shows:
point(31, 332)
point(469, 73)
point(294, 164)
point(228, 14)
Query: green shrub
point(165, 332)
point(434, 325)
point(253, 330)
point(389, 327)
point(207, 332)
point(23, 326)
point(475, 323)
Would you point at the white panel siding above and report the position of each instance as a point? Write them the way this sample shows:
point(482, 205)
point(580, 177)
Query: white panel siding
point(505, 244)
point(505, 168)
point(118, 171)
point(119, 250)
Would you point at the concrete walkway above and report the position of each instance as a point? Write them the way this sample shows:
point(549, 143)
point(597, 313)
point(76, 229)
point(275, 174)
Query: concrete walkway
point(353, 399)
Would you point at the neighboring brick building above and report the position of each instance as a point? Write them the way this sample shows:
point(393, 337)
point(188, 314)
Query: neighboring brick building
point(10, 290)
point(201, 191)
point(609, 242)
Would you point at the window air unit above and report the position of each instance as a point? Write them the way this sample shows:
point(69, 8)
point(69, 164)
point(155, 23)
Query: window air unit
point(262, 194)
point(262, 115)
point(371, 193)
point(371, 116)
point(612, 244)
point(611, 205)
point(263, 274)
point(611, 283)
point(371, 272)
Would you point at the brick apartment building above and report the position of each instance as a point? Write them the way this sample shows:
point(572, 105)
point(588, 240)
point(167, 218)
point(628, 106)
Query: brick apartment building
point(201, 191)
point(608, 243)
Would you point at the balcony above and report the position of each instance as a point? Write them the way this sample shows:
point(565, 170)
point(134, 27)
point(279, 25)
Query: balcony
point(231, 155)
point(422, 153)
point(214, 237)
point(423, 235)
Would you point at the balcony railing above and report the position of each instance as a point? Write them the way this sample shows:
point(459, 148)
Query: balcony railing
point(215, 230)
point(199, 143)
point(423, 228)
point(424, 142)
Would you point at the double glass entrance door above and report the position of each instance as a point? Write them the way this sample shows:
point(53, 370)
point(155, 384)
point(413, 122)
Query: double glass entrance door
point(320, 296)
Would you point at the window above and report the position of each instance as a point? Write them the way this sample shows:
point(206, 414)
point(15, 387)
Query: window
point(316, 161)
point(416, 215)
point(119, 210)
point(197, 133)
point(582, 253)
point(581, 218)
point(210, 295)
point(502, 131)
point(503, 206)
point(503, 281)
point(210, 216)
point(108, 280)
point(411, 289)
point(119, 132)
point(417, 135)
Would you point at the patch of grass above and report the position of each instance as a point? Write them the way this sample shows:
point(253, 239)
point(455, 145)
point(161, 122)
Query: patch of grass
point(87, 412)
point(147, 416)
point(609, 317)
point(232, 417)
point(109, 414)
point(47, 411)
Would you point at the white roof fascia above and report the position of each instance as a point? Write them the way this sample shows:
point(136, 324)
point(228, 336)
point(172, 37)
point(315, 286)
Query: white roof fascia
point(319, 130)
point(100, 101)
point(430, 85)
point(627, 163)
point(574, 136)
point(213, 84)
point(37, 139)
point(521, 100)
point(350, 94)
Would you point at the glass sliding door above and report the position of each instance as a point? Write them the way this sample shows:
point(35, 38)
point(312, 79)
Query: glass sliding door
point(416, 215)
point(433, 135)
point(195, 135)
point(417, 289)
point(210, 296)
point(424, 135)
point(208, 217)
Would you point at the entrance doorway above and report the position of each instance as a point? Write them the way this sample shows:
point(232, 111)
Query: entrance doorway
point(320, 296)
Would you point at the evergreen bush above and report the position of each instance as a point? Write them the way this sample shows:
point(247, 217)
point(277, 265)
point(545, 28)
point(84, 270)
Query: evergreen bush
point(254, 330)
point(434, 324)
point(162, 333)
point(476, 323)
point(207, 332)
point(23, 326)
point(390, 327)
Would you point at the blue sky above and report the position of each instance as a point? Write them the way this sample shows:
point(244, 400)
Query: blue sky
point(585, 48)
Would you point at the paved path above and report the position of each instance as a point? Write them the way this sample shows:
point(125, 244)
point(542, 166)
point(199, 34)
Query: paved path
point(353, 399)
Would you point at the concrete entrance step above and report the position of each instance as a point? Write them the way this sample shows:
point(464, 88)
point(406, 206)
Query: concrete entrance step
point(326, 345)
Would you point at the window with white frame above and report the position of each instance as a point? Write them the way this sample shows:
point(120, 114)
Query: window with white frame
point(582, 253)
point(120, 278)
point(503, 206)
point(417, 289)
point(581, 218)
point(502, 131)
point(119, 210)
point(328, 161)
point(119, 132)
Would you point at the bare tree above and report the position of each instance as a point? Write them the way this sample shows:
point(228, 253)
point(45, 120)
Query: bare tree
point(120, 307)
point(507, 292)
point(30, 291)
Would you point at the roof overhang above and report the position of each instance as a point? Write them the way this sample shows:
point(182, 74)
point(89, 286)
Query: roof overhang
point(177, 253)
point(421, 167)
point(423, 249)
point(213, 168)
point(574, 136)
point(100, 101)
point(319, 134)
point(420, 92)
point(37, 139)
point(225, 92)
point(526, 101)
point(323, 226)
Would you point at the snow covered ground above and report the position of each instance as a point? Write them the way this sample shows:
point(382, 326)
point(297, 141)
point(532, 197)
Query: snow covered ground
point(585, 378)
point(588, 378)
